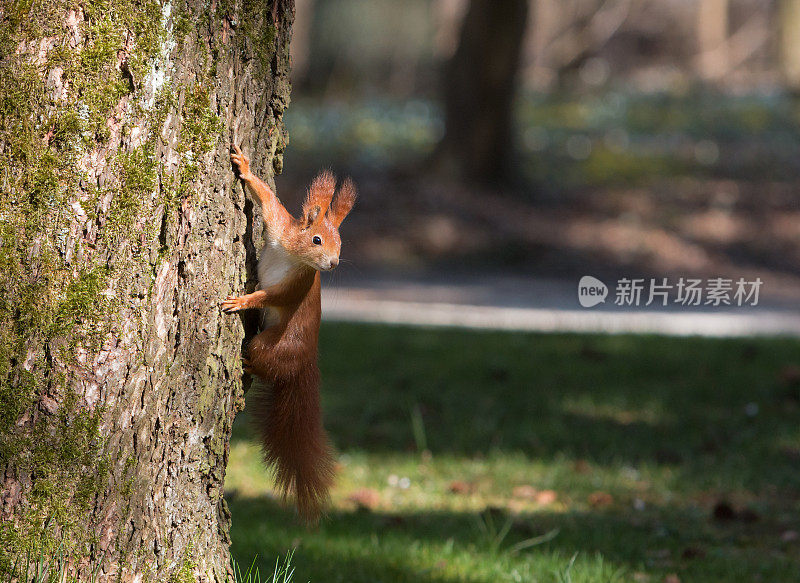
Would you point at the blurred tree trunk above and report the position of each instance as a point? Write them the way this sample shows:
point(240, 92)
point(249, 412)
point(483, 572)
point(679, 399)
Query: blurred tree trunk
point(121, 229)
point(479, 89)
point(301, 40)
point(789, 15)
point(712, 38)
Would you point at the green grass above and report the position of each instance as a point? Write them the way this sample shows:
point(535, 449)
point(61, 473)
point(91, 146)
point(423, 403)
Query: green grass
point(637, 437)
point(283, 572)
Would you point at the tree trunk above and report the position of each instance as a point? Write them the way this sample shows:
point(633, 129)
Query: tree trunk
point(122, 229)
point(713, 60)
point(789, 15)
point(479, 88)
point(301, 40)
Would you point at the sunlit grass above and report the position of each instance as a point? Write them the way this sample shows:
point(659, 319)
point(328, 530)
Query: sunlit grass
point(474, 456)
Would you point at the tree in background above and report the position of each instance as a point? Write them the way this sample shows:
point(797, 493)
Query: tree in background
point(121, 231)
point(790, 43)
point(569, 34)
point(712, 38)
point(479, 89)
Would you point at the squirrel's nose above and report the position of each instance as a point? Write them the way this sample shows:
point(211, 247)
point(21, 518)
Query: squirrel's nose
point(334, 262)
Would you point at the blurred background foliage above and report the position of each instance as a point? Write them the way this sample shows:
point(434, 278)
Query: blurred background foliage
point(627, 123)
point(386, 47)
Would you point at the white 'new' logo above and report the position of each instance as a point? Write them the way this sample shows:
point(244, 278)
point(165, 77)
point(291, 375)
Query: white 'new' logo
point(591, 291)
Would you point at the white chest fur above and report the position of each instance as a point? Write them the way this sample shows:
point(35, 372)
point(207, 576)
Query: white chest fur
point(274, 264)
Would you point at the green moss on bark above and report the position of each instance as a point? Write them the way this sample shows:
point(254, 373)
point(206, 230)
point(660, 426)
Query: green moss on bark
point(200, 129)
point(61, 85)
point(87, 211)
point(137, 181)
point(186, 574)
point(260, 30)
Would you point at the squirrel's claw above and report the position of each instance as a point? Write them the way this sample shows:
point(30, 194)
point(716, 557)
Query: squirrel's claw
point(239, 160)
point(233, 304)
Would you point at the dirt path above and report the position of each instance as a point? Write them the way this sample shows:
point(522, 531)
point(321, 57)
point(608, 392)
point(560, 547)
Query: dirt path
point(546, 305)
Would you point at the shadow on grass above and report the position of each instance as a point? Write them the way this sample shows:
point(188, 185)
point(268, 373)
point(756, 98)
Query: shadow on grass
point(703, 418)
point(721, 412)
point(450, 546)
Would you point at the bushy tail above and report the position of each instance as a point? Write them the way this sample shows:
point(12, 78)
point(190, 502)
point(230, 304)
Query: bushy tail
point(293, 439)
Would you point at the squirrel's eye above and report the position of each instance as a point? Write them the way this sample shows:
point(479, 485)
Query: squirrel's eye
point(316, 240)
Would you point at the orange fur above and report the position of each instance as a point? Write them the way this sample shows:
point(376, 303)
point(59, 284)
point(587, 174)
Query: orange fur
point(343, 203)
point(284, 355)
point(320, 193)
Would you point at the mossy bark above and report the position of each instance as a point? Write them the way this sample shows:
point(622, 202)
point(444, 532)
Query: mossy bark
point(122, 230)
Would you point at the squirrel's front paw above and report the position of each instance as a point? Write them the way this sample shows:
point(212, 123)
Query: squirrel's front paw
point(240, 161)
point(234, 304)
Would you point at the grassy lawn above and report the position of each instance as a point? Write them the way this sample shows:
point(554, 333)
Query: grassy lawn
point(475, 456)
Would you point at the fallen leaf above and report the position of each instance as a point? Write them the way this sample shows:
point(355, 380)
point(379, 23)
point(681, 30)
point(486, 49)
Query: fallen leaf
point(600, 499)
point(546, 497)
point(460, 487)
point(526, 491)
point(365, 498)
point(581, 467)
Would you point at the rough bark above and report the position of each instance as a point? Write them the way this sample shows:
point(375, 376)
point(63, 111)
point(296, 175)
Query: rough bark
point(122, 229)
point(479, 89)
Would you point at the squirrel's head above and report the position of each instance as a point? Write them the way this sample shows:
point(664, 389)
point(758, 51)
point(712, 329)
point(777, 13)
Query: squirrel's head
point(317, 242)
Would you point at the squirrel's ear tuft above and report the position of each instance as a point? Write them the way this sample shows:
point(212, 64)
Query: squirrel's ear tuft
point(320, 194)
point(311, 215)
point(343, 202)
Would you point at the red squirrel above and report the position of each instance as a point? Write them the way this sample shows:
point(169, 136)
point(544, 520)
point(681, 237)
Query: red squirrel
point(284, 354)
